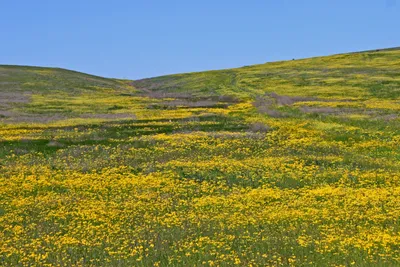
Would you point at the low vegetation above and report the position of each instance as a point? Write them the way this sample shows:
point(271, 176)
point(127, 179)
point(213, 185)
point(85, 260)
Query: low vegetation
point(282, 164)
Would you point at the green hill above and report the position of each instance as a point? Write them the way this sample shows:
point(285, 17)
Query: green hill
point(365, 74)
point(292, 163)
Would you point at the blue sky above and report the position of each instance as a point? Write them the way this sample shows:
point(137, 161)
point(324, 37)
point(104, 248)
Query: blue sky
point(138, 38)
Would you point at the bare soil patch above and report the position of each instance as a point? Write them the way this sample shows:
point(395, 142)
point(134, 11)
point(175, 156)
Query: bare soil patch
point(15, 97)
point(290, 100)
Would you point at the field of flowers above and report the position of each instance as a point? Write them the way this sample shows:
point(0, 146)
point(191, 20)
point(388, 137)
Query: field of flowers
point(291, 163)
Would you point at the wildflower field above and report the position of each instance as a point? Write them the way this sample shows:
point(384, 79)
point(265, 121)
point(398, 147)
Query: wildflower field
point(292, 163)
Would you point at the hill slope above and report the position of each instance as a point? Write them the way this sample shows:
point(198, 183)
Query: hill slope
point(35, 94)
point(293, 163)
point(364, 74)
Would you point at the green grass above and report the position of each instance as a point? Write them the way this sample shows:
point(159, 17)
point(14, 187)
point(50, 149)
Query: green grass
point(293, 163)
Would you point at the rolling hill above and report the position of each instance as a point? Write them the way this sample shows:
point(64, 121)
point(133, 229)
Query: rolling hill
point(292, 163)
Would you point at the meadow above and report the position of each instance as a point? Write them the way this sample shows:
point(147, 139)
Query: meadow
point(293, 163)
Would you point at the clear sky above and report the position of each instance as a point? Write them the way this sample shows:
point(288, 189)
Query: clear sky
point(146, 38)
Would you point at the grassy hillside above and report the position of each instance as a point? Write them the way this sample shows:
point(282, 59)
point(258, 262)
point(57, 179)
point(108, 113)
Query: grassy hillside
point(361, 75)
point(293, 163)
